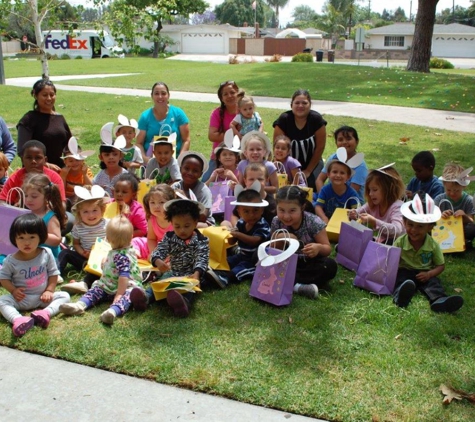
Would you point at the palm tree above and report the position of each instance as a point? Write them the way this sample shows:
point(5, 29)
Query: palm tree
point(276, 4)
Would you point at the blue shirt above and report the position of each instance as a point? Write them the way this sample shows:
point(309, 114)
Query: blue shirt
point(433, 187)
point(260, 229)
point(330, 201)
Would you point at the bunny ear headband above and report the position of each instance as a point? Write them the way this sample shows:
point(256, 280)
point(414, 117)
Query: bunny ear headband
point(342, 157)
point(231, 142)
point(124, 122)
point(96, 192)
point(256, 186)
point(382, 170)
point(463, 179)
point(162, 139)
point(73, 149)
point(106, 137)
point(183, 197)
point(417, 214)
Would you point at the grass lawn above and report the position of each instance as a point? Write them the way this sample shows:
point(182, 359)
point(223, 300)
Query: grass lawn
point(348, 356)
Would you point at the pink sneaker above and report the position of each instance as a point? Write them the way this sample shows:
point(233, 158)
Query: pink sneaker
point(22, 325)
point(41, 318)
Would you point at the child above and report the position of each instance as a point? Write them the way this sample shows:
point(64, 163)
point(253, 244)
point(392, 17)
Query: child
point(30, 276)
point(132, 159)
point(337, 194)
point(192, 166)
point(120, 273)
point(75, 171)
point(282, 153)
point(250, 231)
point(163, 161)
point(187, 250)
point(227, 159)
point(424, 181)
point(256, 148)
point(384, 189)
point(247, 119)
point(347, 137)
point(44, 199)
point(314, 268)
point(455, 201)
point(4, 165)
point(422, 260)
point(125, 194)
point(111, 157)
point(157, 223)
point(90, 224)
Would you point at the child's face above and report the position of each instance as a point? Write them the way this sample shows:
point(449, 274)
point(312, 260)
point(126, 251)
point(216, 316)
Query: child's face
point(247, 110)
point(250, 215)
point(73, 164)
point(375, 194)
point(123, 192)
point(90, 214)
point(155, 204)
point(27, 242)
point(290, 213)
point(35, 200)
point(184, 226)
point(423, 173)
point(338, 174)
point(453, 191)
point(163, 154)
point(255, 151)
point(253, 175)
point(347, 141)
point(191, 170)
point(281, 150)
point(129, 135)
point(227, 158)
point(34, 160)
point(111, 159)
point(417, 231)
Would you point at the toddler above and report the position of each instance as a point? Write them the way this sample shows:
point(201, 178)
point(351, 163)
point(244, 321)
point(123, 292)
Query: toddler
point(282, 151)
point(163, 161)
point(424, 181)
point(247, 118)
point(132, 159)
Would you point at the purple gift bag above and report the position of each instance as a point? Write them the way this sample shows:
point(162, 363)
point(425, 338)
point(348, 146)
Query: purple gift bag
point(354, 238)
point(8, 213)
point(228, 208)
point(219, 191)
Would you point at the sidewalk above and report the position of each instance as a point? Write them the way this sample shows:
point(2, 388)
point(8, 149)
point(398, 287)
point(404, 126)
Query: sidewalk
point(436, 119)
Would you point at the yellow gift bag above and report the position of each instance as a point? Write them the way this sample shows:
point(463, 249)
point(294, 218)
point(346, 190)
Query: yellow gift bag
point(301, 181)
point(448, 233)
point(282, 176)
point(218, 244)
point(180, 284)
point(340, 215)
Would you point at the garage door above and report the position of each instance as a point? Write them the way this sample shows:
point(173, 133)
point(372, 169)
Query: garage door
point(457, 46)
point(202, 43)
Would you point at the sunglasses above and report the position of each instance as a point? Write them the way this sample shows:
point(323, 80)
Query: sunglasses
point(227, 83)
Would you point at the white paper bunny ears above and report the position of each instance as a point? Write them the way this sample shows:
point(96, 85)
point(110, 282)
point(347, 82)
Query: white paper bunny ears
point(431, 214)
point(125, 122)
point(183, 197)
point(107, 138)
point(231, 142)
point(463, 179)
point(96, 192)
point(73, 150)
point(342, 157)
point(256, 186)
point(162, 139)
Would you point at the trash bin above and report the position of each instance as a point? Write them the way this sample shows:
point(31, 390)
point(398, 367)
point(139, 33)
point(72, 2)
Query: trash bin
point(319, 54)
point(331, 56)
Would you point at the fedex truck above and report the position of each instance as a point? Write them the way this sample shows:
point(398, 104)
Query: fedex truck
point(86, 43)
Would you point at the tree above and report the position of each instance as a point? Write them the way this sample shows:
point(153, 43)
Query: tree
point(207, 17)
point(276, 4)
point(304, 13)
point(333, 22)
point(419, 57)
point(399, 15)
point(238, 12)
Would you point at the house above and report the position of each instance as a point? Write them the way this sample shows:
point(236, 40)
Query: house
point(453, 40)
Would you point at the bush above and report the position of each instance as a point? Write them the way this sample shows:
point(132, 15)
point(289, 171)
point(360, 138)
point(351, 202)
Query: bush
point(436, 63)
point(303, 57)
point(65, 57)
point(78, 58)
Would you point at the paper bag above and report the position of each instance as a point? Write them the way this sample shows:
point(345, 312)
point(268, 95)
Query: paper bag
point(218, 244)
point(333, 228)
point(182, 285)
point(8, 213)
point(282, 176)
point(219, 191)
point(354, 238)
point(448, 233)
point(301, 181)
point(228, 208)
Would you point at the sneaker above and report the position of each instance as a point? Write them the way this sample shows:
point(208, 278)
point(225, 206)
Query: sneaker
point(60, 280)
point(41, 318)
point(75, 287)
point(138, 298)
point(77, 308)
point(216, 278)
point(178, 303)
point(308, 290)
point(405, 293)
point(447, 304)
point(21, 325)
point(108, 317)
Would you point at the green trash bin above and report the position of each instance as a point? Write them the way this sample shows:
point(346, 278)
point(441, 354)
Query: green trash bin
point(319, 54)
point(331, 56)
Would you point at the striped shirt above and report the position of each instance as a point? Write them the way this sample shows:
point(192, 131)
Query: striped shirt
point(87, 234)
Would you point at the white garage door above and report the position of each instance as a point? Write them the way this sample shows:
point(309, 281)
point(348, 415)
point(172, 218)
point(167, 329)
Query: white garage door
point(457, 46)
point(202, 43)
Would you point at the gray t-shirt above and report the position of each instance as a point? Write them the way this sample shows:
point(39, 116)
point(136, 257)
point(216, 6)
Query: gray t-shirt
point(32, 275)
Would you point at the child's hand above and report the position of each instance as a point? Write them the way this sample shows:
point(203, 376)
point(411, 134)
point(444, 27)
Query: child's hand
point(311, 250)
point(84, 169)
point(64, 171)
point(409, 194)
point(19, 294)
point(195, 275)
point(423, 276)
point(352, 215)
point(367, 219)
point(162, 266)
point(46, 297)
point(447, 214)
point(459, 213)
point(86, 254)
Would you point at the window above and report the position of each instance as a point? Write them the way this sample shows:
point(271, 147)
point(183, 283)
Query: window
point(394, 41)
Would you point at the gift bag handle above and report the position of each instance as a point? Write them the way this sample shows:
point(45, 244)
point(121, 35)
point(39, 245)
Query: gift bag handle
point(381, 231)
point(301, 177)
point(450, 203)
point(280, 167)
point(267, 260)
point(20, 193)
point(358, 203)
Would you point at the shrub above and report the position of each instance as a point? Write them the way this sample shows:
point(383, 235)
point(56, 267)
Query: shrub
point(65, 57)
point(436, 63)
point(78, 58)
point(303, 57)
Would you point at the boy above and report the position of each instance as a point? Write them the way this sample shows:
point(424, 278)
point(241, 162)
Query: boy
point(188, 251)
point(457, 202)
point(422, 260)
point(132, 159)
point(424, 181)
point(250, 231)
point(163, 161)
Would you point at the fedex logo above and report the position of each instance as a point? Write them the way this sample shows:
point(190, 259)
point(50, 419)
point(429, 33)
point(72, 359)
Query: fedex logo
point(68, 43)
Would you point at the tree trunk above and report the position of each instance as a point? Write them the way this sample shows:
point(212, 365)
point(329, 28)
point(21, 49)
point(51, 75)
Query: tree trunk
point(421, 45)
point(155, 43)
point(39, 37)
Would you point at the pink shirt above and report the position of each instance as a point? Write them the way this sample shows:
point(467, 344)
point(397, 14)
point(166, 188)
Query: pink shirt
point(214, 121)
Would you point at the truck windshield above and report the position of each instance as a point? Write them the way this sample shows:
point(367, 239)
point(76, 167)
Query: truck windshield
point(108, 41)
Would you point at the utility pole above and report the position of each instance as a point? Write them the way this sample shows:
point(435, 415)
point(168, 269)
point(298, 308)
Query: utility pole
point(453, 11)
point(2, 71)
point(369, 9)
point(410, 11)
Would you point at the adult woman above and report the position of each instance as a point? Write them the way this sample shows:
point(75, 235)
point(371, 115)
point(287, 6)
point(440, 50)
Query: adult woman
point(162, 119)
point(221, 119)
point(307, 130)
point(44, 124)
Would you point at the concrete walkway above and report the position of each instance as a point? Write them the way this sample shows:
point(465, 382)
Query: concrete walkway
point(436, 119)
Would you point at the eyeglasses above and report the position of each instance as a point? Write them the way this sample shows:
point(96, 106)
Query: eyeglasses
point(227, 83)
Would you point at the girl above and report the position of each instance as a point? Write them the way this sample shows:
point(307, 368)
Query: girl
point(90, 224)
point(4, 165)
point(247, 119)
point(111, 156)
point(256, 148)
point(119, 274)
point(227, 159)
point(314, 268)
point(282, 152)
point(43, 198)
point(384, 189)
point(30, 276)
point(157, 223)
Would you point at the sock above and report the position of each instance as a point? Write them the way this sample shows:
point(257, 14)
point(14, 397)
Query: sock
point(296, 287)
point(81, 304)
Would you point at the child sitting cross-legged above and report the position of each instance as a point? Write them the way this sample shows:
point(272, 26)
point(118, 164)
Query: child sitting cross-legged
point(120, 272)
point(421, 260)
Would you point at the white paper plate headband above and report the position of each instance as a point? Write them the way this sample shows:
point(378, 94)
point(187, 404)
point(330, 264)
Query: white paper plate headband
point(256, 186)
point(125, 122)
point(431, 214)
point(74, 152)
point(342, 157)
point(463, 179)
point(267, 260)
point(231, 142)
